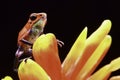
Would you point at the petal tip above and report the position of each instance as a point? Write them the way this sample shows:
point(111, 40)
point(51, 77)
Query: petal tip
point(107, 21)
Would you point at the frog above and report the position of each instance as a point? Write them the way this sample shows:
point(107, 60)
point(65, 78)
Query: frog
point(30, 32)
point(28, 35)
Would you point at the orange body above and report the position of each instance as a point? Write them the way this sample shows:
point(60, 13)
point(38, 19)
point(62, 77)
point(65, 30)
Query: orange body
point(36, 22)
point(29, 33)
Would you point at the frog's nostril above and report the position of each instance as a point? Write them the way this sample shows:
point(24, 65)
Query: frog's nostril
point(43, 14)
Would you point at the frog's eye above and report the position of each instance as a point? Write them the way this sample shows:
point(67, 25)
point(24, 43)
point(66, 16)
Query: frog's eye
point(33, 17)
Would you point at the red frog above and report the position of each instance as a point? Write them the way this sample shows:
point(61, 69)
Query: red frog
point(32, 30)
point(29, 33)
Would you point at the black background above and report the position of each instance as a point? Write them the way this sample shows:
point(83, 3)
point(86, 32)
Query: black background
point(66, 19)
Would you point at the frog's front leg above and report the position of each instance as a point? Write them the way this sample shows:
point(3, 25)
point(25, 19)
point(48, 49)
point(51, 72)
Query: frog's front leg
point(60, 43)
point(26, 42)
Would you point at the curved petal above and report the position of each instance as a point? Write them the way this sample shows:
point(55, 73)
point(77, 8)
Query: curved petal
point(95, 59)
point(115, 78)
point(7, 78)
point(45, 53)
point(74, 53)
point(90, 45)
point(30, 70)
point(95, 39)
point(105, 71)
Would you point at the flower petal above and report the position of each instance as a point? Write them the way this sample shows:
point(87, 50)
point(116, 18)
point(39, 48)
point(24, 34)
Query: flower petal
point(45, 53)
point(90, 45)
point(94, 40)
point(94, 59)
point(74, 53)
point(115, 78)
point(105, 71)
point(30, 70)
point(7, 78)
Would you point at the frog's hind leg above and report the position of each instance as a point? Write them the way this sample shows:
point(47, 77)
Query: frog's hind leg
point(18, 54)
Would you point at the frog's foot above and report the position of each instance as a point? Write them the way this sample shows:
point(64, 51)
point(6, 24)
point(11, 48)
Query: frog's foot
point(25, 58)
point(17, 62)
point(60, 43)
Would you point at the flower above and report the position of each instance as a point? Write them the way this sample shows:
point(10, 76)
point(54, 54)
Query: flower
point(81, 61)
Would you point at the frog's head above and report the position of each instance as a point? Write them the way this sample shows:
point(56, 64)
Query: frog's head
point(38, 19)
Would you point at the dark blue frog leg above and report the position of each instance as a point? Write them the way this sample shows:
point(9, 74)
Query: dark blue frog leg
point(18, 53)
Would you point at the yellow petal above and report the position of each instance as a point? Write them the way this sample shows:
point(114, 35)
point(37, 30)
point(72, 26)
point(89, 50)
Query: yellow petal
point(74, 53)
point(94, 40)
point(101, 74)
point(45, 53)
point(115, 64)
point(95, 59)
point(7, 78)
point(30, 70)
point(115, 78)
point(90, 45)
point(106, 70)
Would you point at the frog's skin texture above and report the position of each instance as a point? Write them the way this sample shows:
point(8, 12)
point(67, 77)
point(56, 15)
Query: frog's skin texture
point(29, 33)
